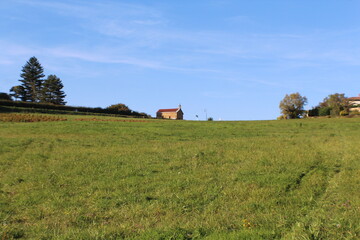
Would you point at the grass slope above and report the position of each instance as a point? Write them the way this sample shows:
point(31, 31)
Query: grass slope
point(180, 180)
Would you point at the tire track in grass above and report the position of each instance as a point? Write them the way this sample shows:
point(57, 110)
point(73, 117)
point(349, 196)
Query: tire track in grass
point(10, 180)
point(21, 184)
point(296, 184)
point(11, 160)
point(310, 185)
point(319, 223)
point(329, 173)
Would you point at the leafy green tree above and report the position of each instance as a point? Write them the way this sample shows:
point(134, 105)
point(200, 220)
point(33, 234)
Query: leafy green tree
point(337, 102)
point(292, 106)
point(120, 107)
point(52, 92)
point(18, 92)
point(32, 80)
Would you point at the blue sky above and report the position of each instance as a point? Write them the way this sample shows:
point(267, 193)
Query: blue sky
point(236, 59)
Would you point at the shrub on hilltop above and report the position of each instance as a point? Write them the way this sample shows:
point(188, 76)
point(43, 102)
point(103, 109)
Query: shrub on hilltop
point(5, 96)
point(119, 107)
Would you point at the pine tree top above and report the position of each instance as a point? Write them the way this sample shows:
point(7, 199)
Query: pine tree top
point(32, 70)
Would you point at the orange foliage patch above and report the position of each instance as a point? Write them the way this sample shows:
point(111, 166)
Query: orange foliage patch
point(109, 120)
point(11, 117)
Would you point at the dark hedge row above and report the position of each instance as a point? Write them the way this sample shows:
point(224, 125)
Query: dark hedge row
point(45, 106)
point(9, 109)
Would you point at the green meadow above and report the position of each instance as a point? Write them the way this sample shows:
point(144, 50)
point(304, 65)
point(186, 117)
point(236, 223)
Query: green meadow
point(159, 179)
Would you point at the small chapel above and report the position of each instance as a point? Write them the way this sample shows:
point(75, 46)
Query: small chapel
point(170, 113)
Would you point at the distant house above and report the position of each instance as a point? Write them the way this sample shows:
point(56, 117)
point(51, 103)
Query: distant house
point(354, 100)
point(171, 113)
point(355, 103)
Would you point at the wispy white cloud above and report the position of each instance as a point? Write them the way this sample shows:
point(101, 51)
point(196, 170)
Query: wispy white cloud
point(78, 9)
point(101, 57)
point(141, 36)
point(12, 52)
point(13, 49)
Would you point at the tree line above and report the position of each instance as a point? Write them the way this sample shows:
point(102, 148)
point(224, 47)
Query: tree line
point(292, 106)
point(34, 88)
point(41, 95)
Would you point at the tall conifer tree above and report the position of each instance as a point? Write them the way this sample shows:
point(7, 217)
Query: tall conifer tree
point(52, 91)
point(32, 80)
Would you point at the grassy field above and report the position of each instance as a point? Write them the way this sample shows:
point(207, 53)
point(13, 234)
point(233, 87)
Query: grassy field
point(295, 179)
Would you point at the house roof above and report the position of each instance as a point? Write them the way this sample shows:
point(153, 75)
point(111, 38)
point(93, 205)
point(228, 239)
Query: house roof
point(168, 110)
point(354, 98)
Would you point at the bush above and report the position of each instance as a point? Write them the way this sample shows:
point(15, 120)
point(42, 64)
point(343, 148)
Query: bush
point(324, 111)
point(344, 113)
point(5, 96)
point(355, 112)
point(210, 119)
point(281, 117)
point(314, 112)
point(119, 107)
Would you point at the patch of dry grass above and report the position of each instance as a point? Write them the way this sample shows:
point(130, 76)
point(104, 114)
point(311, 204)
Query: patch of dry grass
point(20, 117)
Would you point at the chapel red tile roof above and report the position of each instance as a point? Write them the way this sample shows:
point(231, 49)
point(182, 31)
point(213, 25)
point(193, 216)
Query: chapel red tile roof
point(168, 110)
